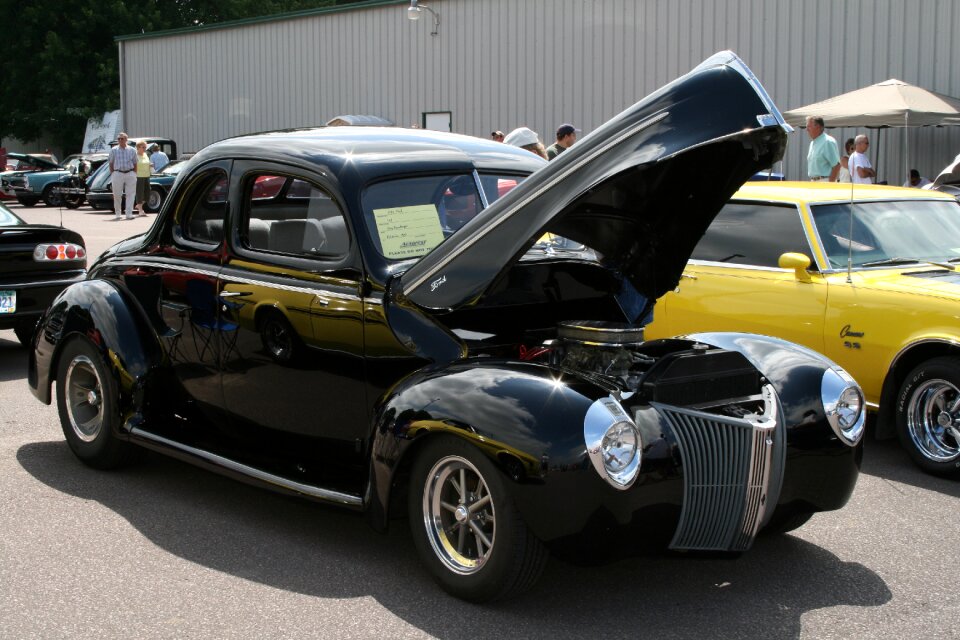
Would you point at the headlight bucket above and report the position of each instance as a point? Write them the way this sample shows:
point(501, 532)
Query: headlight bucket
point(613, 443)
point(844, 405)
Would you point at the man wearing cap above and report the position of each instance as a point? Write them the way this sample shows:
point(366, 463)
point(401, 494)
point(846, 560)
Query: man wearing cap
point(566, 136)
point(823, 156)
point(123, 177)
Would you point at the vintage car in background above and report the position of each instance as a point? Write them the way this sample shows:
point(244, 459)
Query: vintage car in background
point(12, 181)
point(406, 321)
point(71, 189)
point(870, 281)
point(99, 192)
point(37, 262)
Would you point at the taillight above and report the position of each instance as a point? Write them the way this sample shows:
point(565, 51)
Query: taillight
point(65, 251)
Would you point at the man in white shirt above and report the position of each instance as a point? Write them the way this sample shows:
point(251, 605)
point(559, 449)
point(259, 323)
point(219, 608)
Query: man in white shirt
point(861, 171)
point(123, 177)
point(916, 180)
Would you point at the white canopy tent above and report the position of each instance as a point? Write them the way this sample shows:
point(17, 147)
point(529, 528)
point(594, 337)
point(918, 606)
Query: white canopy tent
point(892, 103)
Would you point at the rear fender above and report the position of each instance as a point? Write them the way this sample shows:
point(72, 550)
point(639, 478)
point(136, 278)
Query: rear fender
point(109, 318)
point(522, 416)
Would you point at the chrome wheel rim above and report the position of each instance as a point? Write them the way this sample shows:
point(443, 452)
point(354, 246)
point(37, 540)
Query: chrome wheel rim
point(278, 339)
point(933, 420)
point(459, 515)
point(153, 199)
point(84, 398)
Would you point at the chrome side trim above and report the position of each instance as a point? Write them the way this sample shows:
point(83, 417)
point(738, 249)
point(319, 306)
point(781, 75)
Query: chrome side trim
point(563, 175)
point(284, 483)
point(239, 280)
point(943, 341)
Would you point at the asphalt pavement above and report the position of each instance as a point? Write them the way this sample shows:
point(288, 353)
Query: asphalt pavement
point(165, 550)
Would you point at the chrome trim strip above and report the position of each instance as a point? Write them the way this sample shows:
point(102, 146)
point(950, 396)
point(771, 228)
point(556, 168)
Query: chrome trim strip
point(307, 490)
point(562, 175)
point(239, 280)
point(945, 341)
point(733, 265)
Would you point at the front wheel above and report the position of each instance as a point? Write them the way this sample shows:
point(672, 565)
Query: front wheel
point(88, 403)
point(52, 196)
point(73, 200)
point(28, 202)
point(928, 416)
point(466, 528)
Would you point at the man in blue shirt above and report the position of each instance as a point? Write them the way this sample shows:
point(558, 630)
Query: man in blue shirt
point(158, 158)
point(123, 176)
point(823, 156)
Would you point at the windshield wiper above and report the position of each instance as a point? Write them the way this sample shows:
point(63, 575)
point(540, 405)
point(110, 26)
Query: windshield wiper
point(904, 261)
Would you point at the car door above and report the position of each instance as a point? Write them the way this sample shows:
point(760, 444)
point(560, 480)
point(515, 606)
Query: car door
point(734, 282)
point(184, 267)
point(292, 362)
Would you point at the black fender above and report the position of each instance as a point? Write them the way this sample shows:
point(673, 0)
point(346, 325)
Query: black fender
point(106, 315)
point(524, 417)
point(821, 470)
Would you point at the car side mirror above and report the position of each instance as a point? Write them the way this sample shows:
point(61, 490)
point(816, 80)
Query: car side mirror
point(798, 262)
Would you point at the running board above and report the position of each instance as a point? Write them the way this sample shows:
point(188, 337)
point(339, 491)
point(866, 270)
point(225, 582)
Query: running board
point(274, 481)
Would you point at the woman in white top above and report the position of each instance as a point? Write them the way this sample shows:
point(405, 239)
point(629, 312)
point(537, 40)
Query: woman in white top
point(844, 174)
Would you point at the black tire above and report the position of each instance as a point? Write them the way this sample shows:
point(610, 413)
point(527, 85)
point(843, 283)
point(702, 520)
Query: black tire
point(928, 416)
point(779, 525)
point(24, 331)
point(88, 402)
point(154, 200)
point(28, 202)
point(51, 196)
point(515, 558)
point(73, 200)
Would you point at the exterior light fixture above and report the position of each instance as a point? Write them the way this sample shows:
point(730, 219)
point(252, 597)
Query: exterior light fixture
point(413, 13)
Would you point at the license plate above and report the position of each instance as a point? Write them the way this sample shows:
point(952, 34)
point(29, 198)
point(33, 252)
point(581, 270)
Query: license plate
point(8, 302)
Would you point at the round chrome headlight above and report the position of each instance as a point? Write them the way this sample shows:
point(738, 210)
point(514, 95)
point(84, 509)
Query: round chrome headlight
point(613, 443)
point(843, 404)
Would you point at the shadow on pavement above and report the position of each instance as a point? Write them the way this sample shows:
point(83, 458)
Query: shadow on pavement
point(888, 460)
point(305, 548)
point(13, 359)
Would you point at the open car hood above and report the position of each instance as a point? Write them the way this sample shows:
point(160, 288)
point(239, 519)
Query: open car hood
point(42, 163)
point(950, 174)
point(640, 190)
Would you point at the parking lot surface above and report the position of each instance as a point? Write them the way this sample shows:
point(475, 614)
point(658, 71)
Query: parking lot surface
point(164, 550)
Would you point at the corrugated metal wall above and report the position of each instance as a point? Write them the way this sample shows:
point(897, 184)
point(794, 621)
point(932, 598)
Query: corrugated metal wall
point(499, 64)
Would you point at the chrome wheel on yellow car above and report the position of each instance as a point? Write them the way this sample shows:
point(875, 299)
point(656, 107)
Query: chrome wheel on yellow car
point(928, 415)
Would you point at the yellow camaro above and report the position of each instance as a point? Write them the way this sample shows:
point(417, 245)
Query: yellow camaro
point(865, 275)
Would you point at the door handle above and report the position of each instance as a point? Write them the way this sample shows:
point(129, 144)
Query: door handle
point(235, 294)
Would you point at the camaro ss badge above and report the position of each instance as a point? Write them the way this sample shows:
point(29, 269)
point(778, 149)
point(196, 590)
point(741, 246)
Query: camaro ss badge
point(436, 283)
point(846, 332)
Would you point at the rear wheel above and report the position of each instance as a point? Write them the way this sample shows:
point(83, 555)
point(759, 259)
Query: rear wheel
point(28, 202)
point(928, 416)
point(51, 196)
point(154, 200)
point(88, 402)
point(466, 528)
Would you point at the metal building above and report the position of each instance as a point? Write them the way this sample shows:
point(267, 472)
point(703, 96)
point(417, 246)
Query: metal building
point(480, 65)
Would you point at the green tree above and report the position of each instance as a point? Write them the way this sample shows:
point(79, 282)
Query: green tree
point(61, 65)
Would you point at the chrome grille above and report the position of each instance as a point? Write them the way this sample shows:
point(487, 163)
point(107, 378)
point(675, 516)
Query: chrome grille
point(726, 468)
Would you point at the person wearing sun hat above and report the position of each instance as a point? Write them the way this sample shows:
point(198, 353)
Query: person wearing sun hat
point(526, 139)
point(566, 136)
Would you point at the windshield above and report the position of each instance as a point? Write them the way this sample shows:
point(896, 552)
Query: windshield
point(8, 219)
point(899, 232)
point(173, 168)
point(409, 217)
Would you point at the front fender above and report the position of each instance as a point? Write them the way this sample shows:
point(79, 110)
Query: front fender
point(108, 317)
point(524, 417)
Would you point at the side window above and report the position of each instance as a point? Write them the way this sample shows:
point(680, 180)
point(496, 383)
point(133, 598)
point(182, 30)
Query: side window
point(292, 216)
point(204, 208)
point(752, 234)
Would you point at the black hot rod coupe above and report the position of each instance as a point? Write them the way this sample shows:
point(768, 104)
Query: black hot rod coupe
point(398, 320)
